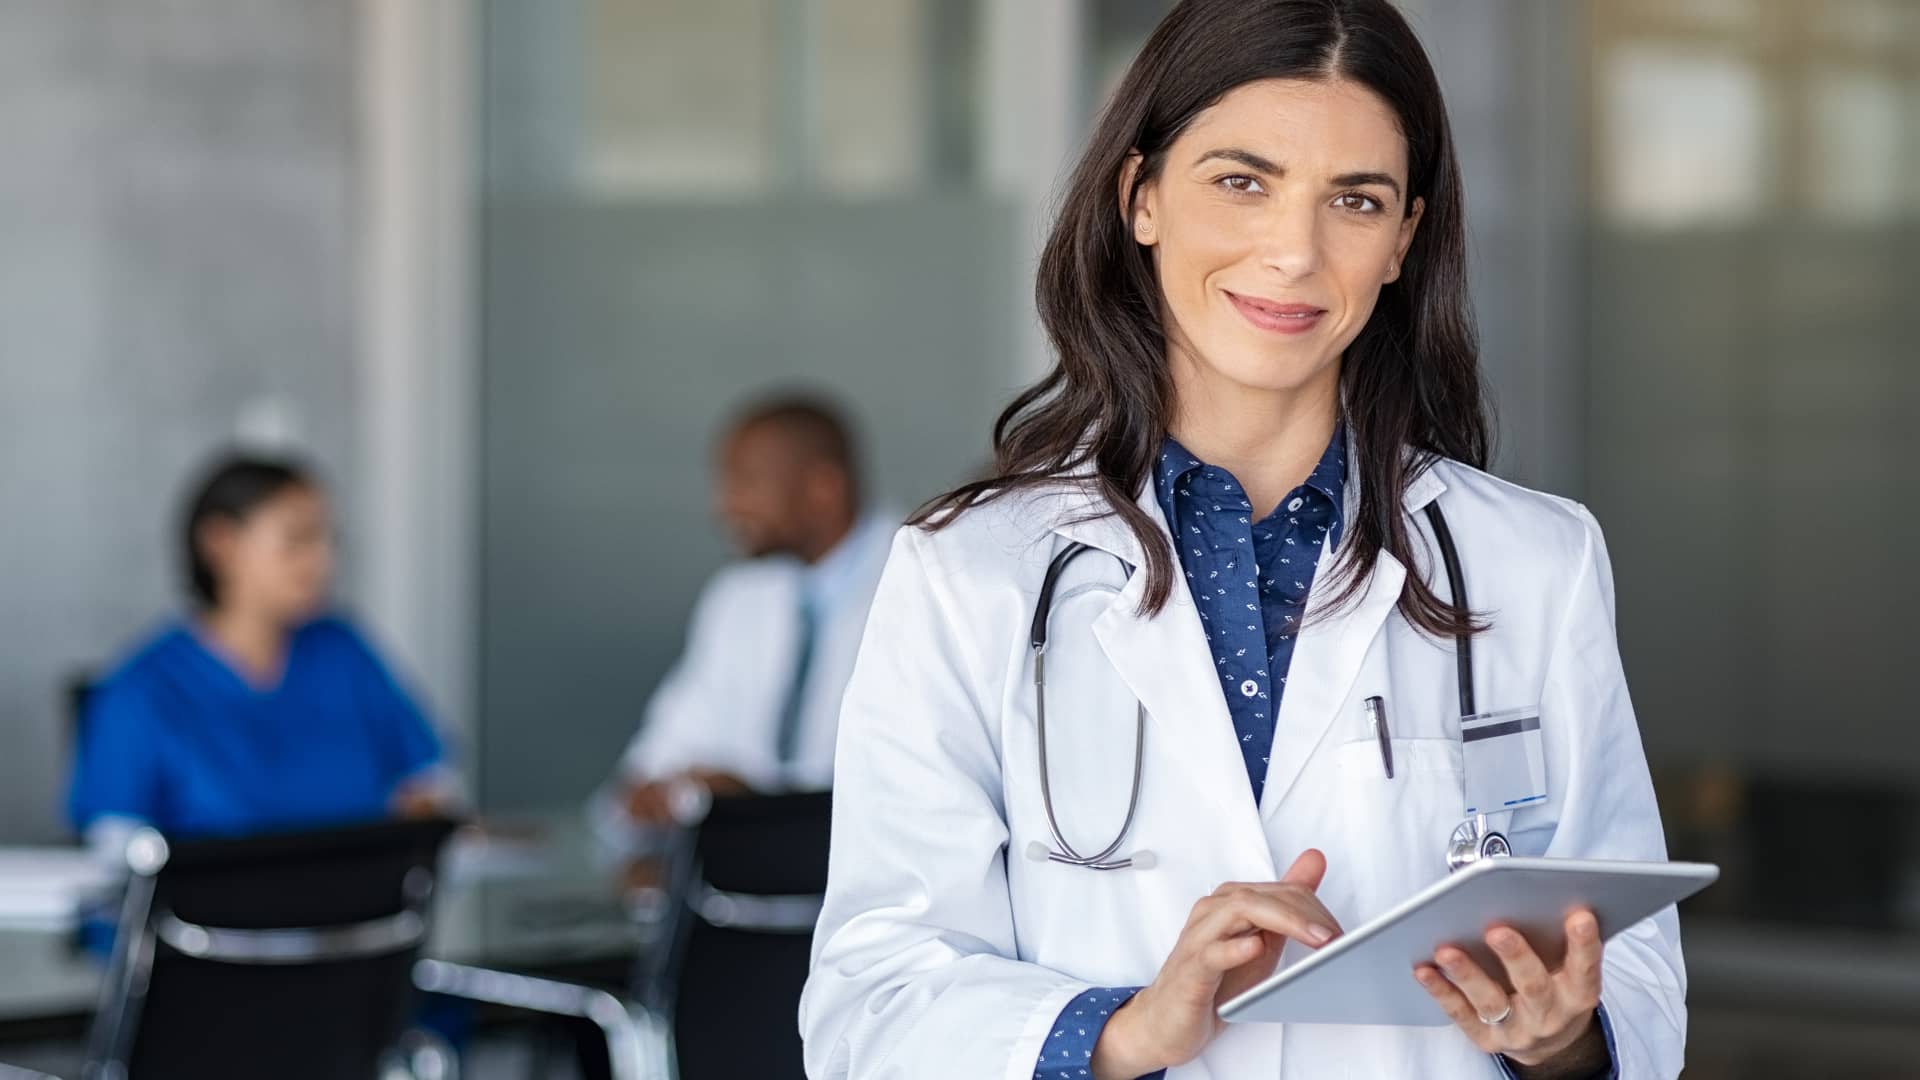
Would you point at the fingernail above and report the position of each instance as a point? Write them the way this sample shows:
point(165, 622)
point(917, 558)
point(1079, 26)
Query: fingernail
point(1503, 939)
point(1318, 934)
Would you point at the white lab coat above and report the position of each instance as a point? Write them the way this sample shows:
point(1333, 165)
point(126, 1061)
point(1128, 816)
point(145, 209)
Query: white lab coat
point(719, 706)
point(943, 951)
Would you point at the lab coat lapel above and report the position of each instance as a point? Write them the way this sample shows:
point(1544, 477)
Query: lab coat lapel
point(1328, 655)
point(1326, 660)
point(1164, 661)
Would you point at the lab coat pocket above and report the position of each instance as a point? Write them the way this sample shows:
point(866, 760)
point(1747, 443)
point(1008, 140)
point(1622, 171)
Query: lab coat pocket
point(1396, 829)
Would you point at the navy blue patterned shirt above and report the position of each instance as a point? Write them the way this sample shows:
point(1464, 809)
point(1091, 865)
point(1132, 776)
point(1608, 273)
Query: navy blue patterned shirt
point(1249, 581)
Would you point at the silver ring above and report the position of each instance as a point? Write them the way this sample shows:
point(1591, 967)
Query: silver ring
point(1496, 1021)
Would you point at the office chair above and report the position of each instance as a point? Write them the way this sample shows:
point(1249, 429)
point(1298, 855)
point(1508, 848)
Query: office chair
point(750, 881)
point(284, 955)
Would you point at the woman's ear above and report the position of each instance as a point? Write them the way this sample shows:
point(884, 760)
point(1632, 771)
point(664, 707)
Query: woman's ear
point(1405, 241)
point(1136, 206)
point(214, 540)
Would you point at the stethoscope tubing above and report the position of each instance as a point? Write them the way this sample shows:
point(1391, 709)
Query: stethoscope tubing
point(1064, 852)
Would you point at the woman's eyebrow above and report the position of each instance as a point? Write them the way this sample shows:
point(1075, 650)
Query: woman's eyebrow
point(1261, 165)
point(1244, 157)
point(1363, 179)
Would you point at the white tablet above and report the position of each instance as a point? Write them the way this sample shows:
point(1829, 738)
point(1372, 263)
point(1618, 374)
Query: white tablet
point(1366, 975)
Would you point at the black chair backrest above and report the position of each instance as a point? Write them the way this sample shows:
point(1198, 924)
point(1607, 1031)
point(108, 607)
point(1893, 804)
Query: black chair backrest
point(770, 845)
point(286, 955)
point(737, 990)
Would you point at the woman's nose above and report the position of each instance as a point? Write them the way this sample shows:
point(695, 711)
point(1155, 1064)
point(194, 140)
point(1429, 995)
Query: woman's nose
point(1291, 241)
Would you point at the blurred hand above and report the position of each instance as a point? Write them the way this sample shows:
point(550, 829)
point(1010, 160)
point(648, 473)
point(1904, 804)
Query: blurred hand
point(419, 802)
point(648, 803)
point(653, 802)
point(1549, 1025)
point(719, 782)
point(1232, 941)
point(647, 873)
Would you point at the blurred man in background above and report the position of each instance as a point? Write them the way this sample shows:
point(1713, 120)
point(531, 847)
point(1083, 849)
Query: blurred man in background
point(753, 702)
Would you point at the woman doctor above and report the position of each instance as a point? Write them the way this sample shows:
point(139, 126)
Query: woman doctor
point(1266, 375)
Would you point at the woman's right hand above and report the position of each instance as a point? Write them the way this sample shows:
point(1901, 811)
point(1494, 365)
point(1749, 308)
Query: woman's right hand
point(1231, 942)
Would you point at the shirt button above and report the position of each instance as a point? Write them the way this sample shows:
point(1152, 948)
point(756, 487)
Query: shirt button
point(1296, 504)
point(1249, 688)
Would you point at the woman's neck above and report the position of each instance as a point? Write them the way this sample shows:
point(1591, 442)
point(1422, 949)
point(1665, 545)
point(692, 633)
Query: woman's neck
point(1270, 440)
point(254, 641)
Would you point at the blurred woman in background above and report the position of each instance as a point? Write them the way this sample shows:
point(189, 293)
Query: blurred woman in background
point(259, 710)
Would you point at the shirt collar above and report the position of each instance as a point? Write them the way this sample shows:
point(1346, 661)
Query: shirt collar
point(1329, 475)
point(824, 583)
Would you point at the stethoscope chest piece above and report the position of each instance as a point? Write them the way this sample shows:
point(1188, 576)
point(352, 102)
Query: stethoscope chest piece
point(1473, 841)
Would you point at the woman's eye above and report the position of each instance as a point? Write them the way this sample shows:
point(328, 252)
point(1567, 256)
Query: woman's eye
point(1243, 185)
point(1359, 202)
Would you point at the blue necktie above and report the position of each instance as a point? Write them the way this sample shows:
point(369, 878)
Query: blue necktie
point(789, 732)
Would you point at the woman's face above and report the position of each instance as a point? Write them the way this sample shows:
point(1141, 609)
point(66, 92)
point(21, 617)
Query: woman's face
point(278, 560)
point(1277, 216)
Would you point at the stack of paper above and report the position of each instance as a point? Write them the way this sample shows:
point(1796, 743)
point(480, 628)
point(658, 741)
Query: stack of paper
point(46, 887)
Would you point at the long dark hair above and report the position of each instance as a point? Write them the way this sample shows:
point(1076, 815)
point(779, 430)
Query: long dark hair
point(1410, 380)
point(231, 489)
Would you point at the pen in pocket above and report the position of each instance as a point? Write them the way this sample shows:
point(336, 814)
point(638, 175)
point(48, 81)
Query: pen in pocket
point(1377, 723)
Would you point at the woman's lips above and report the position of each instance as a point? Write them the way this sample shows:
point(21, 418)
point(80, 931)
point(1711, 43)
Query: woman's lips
point(1279, 318)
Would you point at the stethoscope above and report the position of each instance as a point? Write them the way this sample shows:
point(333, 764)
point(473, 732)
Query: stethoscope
point(1471, 841)
point(1062, 851)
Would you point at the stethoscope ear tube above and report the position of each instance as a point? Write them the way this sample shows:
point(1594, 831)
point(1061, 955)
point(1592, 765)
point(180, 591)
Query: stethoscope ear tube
point(1063, 852)
point(1472, 840)
point(1457, 585)
point(1043, 604)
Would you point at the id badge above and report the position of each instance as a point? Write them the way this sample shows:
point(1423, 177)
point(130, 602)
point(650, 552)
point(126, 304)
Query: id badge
point(1505, 764)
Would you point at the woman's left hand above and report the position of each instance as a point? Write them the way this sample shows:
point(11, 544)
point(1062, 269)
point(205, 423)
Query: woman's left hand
point(1549, 1022)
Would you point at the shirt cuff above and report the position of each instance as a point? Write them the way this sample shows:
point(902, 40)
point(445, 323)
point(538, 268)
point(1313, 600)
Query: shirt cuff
point(1611, 1072)
point(1068, 1051)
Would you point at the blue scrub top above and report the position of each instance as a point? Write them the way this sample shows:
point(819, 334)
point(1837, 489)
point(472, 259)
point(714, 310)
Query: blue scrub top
point(176, 738)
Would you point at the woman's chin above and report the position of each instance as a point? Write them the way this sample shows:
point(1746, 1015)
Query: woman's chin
point(1266, 373)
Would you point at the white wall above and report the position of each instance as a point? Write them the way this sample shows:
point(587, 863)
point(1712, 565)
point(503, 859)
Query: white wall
point(224, 219)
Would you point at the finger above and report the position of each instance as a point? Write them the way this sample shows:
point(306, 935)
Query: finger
point(1451, 1000)
point(1525, 970)
point(1226, 955)
point(1286, 892)
point(1248, 911)
point(1290, 913)
point(1581, 973)
point(1487, 996)
point(1308, 870)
